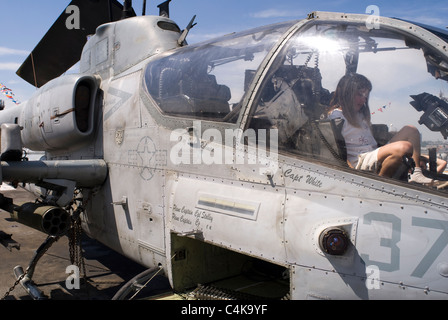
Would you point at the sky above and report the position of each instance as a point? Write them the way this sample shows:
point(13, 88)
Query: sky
point(24, 22)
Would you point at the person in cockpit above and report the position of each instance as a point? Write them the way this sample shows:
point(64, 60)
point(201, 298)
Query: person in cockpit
point(351, 103)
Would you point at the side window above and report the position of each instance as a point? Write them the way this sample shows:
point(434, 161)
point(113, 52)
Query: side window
point(208, 81)
point(184, 87)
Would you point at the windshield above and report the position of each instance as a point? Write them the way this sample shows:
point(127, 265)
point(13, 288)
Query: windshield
point(209, 80)
point(409, 87)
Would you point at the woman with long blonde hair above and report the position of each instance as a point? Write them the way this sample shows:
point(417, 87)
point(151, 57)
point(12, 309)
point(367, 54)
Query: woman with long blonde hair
point(351, 103)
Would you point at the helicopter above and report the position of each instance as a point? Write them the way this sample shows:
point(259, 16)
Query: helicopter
point(214, 163)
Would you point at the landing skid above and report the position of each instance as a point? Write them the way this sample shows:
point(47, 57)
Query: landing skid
point(136, 284)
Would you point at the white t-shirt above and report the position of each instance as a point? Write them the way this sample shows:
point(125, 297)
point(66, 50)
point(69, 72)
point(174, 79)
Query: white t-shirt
point(357, 140)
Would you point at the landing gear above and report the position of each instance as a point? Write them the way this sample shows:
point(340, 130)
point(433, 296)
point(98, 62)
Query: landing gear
point(136, 284)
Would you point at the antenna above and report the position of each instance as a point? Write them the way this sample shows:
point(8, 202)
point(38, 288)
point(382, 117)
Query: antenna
point(164, 9)
point(144, 8)
point(183, 36)
point(127, 9)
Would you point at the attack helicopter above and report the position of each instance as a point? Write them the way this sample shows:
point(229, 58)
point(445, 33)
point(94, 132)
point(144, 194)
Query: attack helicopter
point(215, 164)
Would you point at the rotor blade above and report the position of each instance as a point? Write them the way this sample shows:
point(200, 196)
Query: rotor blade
point(62, 45)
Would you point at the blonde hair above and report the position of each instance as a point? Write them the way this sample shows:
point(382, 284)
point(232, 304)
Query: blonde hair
point(344, 97)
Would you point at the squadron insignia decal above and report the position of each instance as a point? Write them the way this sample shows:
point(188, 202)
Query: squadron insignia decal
point(147, 158)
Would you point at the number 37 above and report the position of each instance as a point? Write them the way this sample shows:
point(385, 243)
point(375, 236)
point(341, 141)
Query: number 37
point(395, 238)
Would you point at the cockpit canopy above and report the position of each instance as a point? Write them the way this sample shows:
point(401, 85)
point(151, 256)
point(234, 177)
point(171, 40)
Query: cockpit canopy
point(283, 76)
